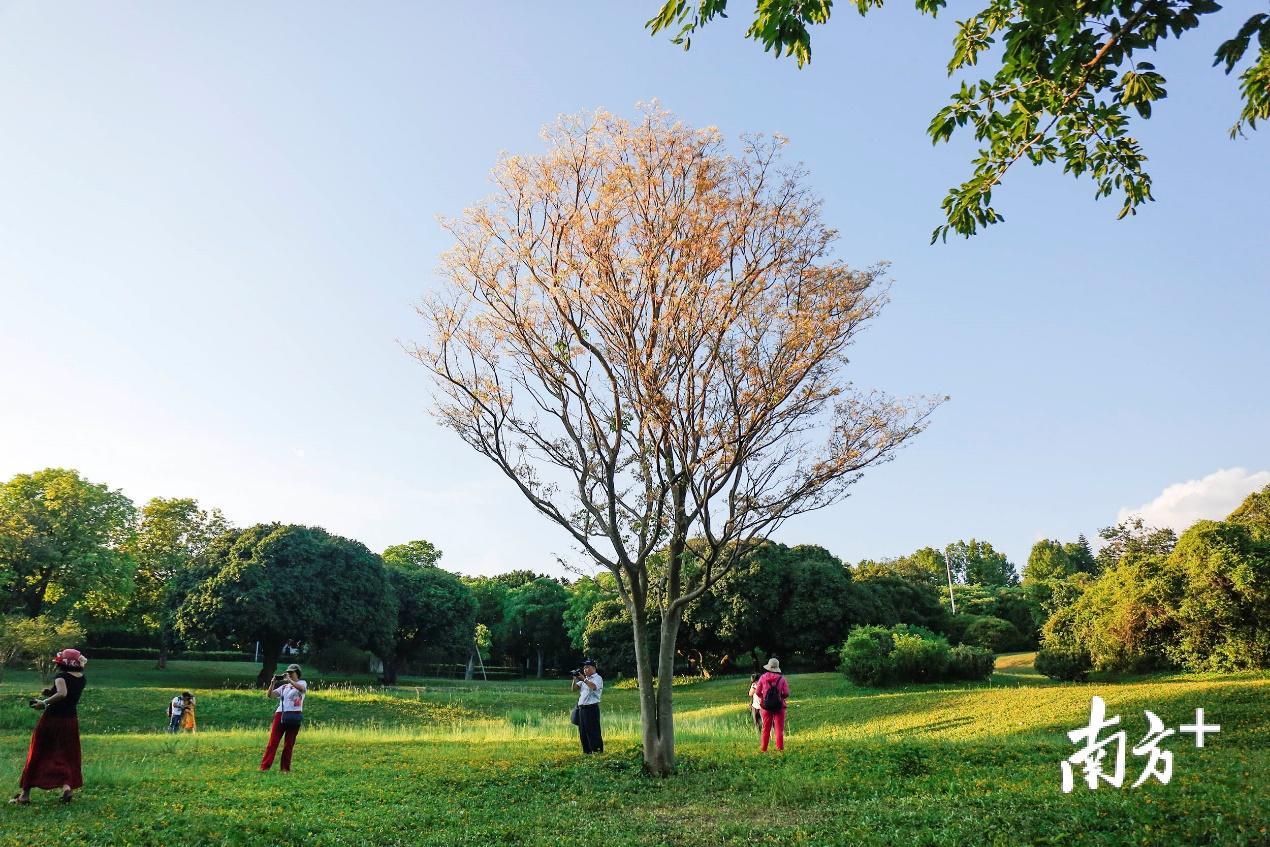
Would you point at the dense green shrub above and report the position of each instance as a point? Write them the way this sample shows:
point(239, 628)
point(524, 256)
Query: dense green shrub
point(970, 663)
point(1199, 602)
point(219, 656)
point(34, 641)
point(957, 626)
point(102, 636)
point(874, 655)
point(865, 656)
point(184, 655)
point(1223, 599)
point(916, 658)
point(1068, 664)
point(993, 634)
point(122, 652)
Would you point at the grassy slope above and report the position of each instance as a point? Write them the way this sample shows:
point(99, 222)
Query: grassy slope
point(449, 763)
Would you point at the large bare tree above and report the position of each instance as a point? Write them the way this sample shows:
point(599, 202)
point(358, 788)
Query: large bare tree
point(647, 335)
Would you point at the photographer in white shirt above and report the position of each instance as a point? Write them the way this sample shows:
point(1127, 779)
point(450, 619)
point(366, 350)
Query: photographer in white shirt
point(590, 687)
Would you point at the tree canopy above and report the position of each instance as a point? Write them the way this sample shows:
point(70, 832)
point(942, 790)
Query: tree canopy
point(778, 600)
point(418, 554)
point(1048, 560)
point(60, 544)
point(927, 566)
point(171, 535)
point(1070, 80)
point(1254, 513)
point(535, 615)
point(275, 582)
point(436, 612)
point(978, 563)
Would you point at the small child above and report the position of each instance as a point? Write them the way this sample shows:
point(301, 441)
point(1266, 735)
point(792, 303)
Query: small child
point(756, 708)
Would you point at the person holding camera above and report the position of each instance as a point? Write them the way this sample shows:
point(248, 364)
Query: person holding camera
point(289, 689)
point(590, 687)
point(53, 759)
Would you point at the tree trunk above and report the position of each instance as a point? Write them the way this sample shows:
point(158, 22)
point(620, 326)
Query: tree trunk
point(656, 710)
point(35, 599)
point(471, 665)
point(390, 672)
point(164, 637)
point(268, 660)
point(665, 694)
point(540, 663)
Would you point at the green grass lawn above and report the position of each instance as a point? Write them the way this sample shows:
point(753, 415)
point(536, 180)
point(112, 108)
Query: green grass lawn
point(441, 762)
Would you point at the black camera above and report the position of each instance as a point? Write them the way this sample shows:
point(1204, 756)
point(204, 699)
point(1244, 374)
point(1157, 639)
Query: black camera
point(576, 673)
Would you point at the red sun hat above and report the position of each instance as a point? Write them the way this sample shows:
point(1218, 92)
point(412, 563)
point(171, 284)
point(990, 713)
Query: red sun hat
point(70, 657)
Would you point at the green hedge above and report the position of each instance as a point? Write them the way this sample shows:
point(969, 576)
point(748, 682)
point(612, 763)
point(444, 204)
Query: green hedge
point(877, 656)
point(965, 661)
point(152, 653)
point(1065, 664)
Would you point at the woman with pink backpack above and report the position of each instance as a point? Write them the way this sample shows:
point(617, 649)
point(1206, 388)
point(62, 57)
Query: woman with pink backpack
point(772, 692)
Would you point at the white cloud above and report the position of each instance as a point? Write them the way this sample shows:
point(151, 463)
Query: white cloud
point(1212, 497)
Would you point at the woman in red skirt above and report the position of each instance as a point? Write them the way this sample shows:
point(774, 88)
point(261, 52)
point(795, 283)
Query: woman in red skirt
point(53, 759)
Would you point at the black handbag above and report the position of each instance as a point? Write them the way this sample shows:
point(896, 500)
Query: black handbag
point(291, 719)
point(574, 718)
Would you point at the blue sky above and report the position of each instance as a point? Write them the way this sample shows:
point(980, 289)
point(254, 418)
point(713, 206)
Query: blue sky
point(215, 220)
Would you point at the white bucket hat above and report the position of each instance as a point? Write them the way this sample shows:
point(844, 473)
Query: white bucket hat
point(773, 665)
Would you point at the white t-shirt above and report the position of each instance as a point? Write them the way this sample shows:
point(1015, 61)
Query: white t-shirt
point(291, 697)
point(178, 705)
point(586, 696)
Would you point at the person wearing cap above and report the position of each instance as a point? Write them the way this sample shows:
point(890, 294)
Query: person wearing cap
point(288, 689)
point(590, 687)
point(53, 759)
point(772, 692)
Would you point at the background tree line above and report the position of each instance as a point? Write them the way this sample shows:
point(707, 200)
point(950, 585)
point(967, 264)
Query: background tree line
point(78, 559)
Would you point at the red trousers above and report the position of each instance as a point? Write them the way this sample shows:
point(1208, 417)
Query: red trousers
point(277, 732)
point(773, 720)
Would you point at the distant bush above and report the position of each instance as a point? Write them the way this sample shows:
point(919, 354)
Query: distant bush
point(34, 641)
point(865, 656)
point(121, 653)
point(99, 637)
point(917, 658)
point(153, 653)
point(970, 663)
point(1063, 663)
point(993, 634)
point(877, 656)
point(956, 627)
